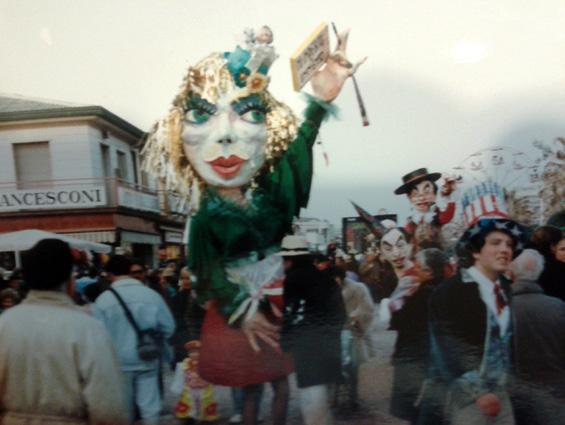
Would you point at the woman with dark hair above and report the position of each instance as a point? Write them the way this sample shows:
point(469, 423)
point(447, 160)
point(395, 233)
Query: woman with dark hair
point(409, 310)
point(549, 241)
point(188, 314)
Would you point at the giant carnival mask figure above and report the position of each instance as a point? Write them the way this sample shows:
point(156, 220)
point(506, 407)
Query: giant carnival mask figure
point(427, 218)
point(243, 161)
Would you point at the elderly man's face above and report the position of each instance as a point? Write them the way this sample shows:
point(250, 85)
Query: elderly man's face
point(424, 273)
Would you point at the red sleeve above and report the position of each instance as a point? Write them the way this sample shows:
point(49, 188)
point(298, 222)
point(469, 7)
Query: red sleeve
point(410, 227)
point(446, 215)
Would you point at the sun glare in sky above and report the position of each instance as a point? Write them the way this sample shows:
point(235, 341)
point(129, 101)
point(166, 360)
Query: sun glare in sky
point(469, 53)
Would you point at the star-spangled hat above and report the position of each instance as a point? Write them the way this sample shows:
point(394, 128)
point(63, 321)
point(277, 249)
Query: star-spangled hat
point(485, 211)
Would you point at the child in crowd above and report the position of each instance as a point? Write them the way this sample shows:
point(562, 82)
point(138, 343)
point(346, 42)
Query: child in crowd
point(196, 402)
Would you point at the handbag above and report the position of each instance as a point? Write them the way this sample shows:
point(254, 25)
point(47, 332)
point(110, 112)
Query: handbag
point(147, 346)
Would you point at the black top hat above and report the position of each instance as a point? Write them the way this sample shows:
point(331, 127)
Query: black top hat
point(416, 177)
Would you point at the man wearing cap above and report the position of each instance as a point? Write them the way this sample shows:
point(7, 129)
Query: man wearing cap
point(425, 223)
point(313, 319)
point(57, 363)
point(471, 329)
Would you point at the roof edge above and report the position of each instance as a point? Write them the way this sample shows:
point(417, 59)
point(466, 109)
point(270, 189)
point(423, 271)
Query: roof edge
point(72, 112)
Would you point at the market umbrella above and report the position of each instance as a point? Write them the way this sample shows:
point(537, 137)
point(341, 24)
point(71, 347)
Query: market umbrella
point(23, 240)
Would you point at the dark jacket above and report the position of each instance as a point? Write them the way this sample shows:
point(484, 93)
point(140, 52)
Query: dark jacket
point(458, 326)
point(313, 319)
point(411, 352)
point(552, 280)
point(189, 317)
point(539, 338)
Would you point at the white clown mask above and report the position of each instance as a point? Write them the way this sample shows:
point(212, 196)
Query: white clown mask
point(395, 248)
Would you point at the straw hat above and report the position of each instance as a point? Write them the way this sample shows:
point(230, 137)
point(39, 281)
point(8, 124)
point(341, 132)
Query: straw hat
point(294, 245)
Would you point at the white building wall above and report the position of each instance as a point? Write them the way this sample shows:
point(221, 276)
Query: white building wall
point(68, 147)
point(75, 151)
point(114, 144)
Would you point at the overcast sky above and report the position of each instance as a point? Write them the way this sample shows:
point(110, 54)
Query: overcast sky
point(444, 78)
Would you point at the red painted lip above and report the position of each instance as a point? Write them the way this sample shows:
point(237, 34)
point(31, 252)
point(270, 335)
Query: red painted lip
point(227, 167)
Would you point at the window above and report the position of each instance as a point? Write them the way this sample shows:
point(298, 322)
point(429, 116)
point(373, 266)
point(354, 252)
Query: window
point(122, 171)
point(33, 164)
point(106, 163)
point(134, 162)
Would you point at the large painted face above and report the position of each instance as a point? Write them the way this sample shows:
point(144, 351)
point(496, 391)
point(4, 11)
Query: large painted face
point(395, 249)
point(422, 196)
point(225, 141)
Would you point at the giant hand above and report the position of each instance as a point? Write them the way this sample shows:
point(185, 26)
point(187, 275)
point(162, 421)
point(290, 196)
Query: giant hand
point(327, 82)
point(258, 327)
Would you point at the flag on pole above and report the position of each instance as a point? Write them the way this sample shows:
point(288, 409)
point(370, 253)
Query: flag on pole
point(371, 222)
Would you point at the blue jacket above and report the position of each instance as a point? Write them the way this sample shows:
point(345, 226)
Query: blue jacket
point(149, 311)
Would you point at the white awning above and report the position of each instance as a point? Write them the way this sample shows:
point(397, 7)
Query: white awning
point(100, 236)
point(23, 240)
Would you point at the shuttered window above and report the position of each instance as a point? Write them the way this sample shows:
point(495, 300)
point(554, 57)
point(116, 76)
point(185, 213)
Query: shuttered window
point(122, 171)
point(33, 164)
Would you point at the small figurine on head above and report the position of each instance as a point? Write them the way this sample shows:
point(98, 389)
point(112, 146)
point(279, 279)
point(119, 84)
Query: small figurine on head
point(425, 223)
point(197, 401)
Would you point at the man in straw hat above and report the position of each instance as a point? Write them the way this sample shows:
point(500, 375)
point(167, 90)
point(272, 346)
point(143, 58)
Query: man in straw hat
point(313, 319)
point(471, 329)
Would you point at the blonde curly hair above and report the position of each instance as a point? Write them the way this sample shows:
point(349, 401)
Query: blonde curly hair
point(163, 153)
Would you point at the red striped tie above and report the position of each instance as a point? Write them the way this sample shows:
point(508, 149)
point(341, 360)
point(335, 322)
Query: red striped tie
point(500, 301)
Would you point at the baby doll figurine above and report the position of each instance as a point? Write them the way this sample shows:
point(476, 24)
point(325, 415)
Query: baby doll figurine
point(196, 401)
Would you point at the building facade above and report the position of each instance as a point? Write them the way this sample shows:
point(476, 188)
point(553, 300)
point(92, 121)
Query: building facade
point(76, 170)
point(318, 233)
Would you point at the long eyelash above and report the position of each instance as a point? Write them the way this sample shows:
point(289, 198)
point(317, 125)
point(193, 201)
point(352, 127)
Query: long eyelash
point(253, 102)
point(200, 104)
point(251, 107)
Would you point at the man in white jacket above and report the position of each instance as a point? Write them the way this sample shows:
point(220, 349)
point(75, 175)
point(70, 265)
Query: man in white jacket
point(57, 364)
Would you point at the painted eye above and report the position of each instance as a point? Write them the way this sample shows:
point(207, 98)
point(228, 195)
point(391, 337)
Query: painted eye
point(197, 116)
point(254, 116)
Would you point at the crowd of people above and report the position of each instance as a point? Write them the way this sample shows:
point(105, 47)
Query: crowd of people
point(254, 304)
point(483, 338)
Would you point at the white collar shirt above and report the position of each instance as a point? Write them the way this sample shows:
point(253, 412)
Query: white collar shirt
point(486, 290)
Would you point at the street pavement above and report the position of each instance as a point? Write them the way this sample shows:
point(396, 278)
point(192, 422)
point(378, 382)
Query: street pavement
point(374, 391)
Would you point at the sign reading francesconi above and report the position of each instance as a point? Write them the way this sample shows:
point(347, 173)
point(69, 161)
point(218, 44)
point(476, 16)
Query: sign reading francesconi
point(52, 198)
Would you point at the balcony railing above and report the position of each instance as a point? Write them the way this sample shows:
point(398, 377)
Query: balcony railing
point(87, 193)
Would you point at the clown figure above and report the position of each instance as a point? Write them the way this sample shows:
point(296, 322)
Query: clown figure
point(427, 219)
point(243, 162)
